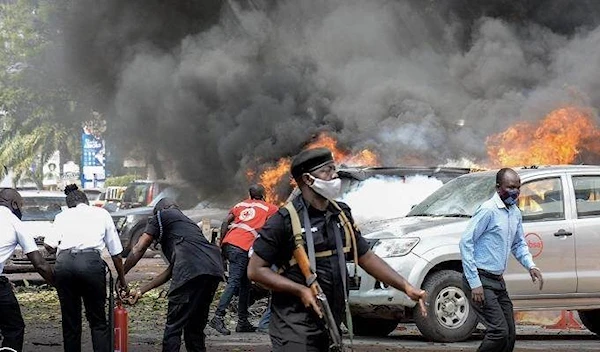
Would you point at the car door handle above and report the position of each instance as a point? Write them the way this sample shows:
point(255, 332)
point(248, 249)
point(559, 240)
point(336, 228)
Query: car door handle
point(562, 232)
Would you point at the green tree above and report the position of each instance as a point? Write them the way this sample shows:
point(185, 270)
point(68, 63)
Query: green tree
point(37, 113)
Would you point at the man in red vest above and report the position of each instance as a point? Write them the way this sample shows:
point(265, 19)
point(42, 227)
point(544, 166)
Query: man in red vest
point(241, 227)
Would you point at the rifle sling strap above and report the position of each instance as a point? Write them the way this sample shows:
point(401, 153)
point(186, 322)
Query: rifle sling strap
point(297, 230)
point(310, 242)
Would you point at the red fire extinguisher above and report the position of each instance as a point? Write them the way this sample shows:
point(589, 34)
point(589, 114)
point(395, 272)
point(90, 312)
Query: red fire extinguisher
point(120, 328)
point(117, 317)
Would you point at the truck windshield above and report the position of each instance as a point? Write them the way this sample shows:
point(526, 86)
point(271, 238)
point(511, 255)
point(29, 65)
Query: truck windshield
point(458, 198)
point(41, 208)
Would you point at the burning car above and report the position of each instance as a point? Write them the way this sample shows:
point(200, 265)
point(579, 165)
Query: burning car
point(561, 217)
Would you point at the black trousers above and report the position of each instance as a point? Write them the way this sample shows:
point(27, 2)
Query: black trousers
point(82, 276)
point(496, 314)
point(187, 312)
point(320, 344)
point(11, 320)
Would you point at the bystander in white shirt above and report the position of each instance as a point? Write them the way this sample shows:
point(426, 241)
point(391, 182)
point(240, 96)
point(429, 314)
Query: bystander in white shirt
point(85, 227)
point(13, 233)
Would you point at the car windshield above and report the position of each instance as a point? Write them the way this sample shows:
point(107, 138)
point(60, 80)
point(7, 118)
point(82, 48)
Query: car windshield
point(136, 193)
point(41, 208)
point(457, 198)
point(186, 198)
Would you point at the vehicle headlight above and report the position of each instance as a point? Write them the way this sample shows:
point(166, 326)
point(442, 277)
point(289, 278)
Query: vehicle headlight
point(395, 247)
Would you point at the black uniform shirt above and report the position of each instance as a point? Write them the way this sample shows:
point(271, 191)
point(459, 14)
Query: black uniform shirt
point(290, 320)
point(184, 245)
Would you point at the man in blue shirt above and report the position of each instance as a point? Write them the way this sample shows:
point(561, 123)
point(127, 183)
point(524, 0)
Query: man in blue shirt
point(495, 230)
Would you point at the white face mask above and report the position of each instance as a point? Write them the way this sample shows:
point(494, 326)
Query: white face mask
point(329, 189)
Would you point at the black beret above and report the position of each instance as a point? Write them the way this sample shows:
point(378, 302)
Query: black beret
point(309, 160)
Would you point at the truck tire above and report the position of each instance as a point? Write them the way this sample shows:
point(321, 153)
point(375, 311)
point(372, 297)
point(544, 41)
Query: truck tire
point(137, 233)
point(591, 320)
point(450, 318)
point(372, 326)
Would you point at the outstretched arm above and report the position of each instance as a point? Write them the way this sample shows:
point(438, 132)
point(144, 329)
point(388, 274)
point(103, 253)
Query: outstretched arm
point(381, 271)
point(159, 280)
point(137, 252)
point(118, 262)
point(42, 266)
point(259, 270)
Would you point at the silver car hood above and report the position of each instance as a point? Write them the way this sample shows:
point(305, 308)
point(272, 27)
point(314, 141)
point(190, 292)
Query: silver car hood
point(414, 226)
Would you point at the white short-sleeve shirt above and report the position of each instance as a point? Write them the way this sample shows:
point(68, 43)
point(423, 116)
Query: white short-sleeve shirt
point(85, 227)
point(13, 233)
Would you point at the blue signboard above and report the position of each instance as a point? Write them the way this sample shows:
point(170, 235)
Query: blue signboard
point(92, 160)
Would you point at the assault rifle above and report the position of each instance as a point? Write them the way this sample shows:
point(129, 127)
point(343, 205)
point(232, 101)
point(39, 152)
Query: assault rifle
point(311, 281)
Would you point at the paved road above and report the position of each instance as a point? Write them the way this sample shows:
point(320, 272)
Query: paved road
point(531, 338)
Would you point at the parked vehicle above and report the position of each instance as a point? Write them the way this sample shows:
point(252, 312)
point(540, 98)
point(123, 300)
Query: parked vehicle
point(141, 193)
point(93, 194)
point(110, 198)
point(561, 220)
point(39, 210)
point(131, 222)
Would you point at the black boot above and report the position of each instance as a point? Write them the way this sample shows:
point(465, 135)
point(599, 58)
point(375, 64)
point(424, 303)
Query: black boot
point(244, 326)
point(218, 324)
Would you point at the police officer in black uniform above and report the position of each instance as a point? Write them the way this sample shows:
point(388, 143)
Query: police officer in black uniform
point(195, 267)
point(294, 324)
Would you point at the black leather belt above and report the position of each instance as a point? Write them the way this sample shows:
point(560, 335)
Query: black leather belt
point(489, 275)
point(85, 250)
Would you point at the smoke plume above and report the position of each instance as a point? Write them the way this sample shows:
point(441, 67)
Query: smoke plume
point(214, 88)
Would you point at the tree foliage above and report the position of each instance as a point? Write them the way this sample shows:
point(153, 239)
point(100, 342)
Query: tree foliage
point(37, 114)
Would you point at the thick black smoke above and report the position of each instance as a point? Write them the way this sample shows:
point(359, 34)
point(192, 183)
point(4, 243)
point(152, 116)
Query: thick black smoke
point(212, 88)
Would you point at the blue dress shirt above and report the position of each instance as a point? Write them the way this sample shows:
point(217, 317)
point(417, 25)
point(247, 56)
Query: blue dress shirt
point(494, 231)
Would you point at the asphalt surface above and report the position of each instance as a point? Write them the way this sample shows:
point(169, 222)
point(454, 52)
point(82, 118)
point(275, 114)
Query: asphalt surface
point(406, 338)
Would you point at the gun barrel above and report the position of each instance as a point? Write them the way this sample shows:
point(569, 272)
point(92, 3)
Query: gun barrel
point(332, 327)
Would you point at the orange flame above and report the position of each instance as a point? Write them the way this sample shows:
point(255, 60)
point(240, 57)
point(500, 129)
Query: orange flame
point(558, 139)
point(273, 177)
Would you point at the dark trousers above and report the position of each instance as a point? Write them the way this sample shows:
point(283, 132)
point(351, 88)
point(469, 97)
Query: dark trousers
point(237, 283)
point(188, 312)
point(82, 276)
point(319, 345)
point(496, 314)
point(11, 320)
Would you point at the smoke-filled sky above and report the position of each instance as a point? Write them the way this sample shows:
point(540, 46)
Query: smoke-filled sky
point(217, 87)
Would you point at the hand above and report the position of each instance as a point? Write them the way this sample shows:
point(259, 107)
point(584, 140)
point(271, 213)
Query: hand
point(420, 296)
point(477, 295)
point(536, 276)
point(133, 297)
point(121, 288)
point(309, 300)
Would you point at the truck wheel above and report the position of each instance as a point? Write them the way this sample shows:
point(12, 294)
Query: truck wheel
point(373, 327)
point(450, 318)
point(132, 241)
point(591, 320)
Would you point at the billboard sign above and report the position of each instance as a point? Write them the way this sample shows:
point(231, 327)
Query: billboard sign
point(92, 160)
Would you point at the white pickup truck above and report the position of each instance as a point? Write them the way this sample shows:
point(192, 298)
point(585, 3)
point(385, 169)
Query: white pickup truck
point(561, 219)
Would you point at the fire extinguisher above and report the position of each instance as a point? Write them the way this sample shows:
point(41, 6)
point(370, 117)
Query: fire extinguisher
point(117, 317)
point(120, 327)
